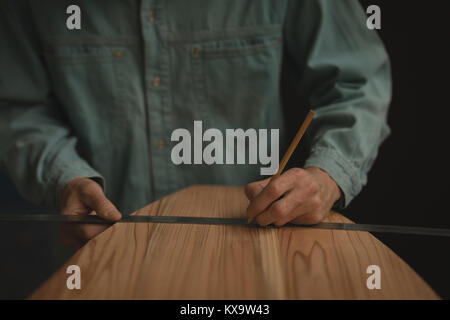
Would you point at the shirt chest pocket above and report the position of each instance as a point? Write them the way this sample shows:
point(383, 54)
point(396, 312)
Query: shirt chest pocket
point(237, 79)
point(94, 87)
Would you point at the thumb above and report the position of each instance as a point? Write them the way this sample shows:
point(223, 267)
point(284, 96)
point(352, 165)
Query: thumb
point(104, 208)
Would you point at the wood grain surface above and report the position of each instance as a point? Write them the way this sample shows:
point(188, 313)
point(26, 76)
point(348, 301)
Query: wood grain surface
point(180, 261)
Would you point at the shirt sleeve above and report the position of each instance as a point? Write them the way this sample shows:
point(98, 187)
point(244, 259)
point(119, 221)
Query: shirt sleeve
point(344, 75)
point(37, 148)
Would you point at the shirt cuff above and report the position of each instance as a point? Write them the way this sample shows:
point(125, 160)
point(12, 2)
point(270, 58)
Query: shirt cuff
point(342, 171)
point(61, 175)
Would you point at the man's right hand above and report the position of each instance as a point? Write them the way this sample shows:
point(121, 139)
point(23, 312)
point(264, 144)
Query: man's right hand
point(83, 196)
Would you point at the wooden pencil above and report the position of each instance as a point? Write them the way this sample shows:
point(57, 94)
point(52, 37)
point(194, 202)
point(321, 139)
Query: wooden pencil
point(294, 143)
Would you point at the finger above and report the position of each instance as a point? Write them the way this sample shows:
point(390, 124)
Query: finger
point(255, 188)
point(295, 215)
point(72, 242)
point(310, 218)
point(86, 232)
point(74, 207)
point(102, 206)
point(272, 192)
point(69, 238)
point(77, 236)
point(315, 212)
point(82, 232)
point(283, 210)
point(276, 211)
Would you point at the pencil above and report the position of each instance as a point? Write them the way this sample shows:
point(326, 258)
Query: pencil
point(292, 147)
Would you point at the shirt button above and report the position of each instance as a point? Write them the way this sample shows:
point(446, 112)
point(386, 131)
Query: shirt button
point(151, 16)
point(160, 144)
point(118, 54)
point(156, 81)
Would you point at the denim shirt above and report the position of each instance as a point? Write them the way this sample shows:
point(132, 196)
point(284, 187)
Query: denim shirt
point(102, 102)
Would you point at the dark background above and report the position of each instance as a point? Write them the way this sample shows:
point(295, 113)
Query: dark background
point(408, 184)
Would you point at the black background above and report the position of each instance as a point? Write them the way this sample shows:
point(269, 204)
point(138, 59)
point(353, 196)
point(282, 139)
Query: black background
point(408, 184)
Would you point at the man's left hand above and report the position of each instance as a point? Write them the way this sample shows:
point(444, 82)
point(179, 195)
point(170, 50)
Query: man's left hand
point(301, 196)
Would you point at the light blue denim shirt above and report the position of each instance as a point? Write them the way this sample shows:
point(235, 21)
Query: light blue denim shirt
point(102, 102)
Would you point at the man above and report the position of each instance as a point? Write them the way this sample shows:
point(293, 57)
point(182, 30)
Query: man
point(86, 115)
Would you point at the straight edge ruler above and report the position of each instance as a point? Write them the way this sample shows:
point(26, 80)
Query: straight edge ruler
point(91, 219)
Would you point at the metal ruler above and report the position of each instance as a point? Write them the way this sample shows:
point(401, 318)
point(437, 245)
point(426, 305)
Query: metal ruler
point(223, 221)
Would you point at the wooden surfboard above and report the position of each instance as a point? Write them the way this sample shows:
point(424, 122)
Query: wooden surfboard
point(183, 261)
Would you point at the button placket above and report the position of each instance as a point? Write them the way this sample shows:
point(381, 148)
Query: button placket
point(156, 75)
